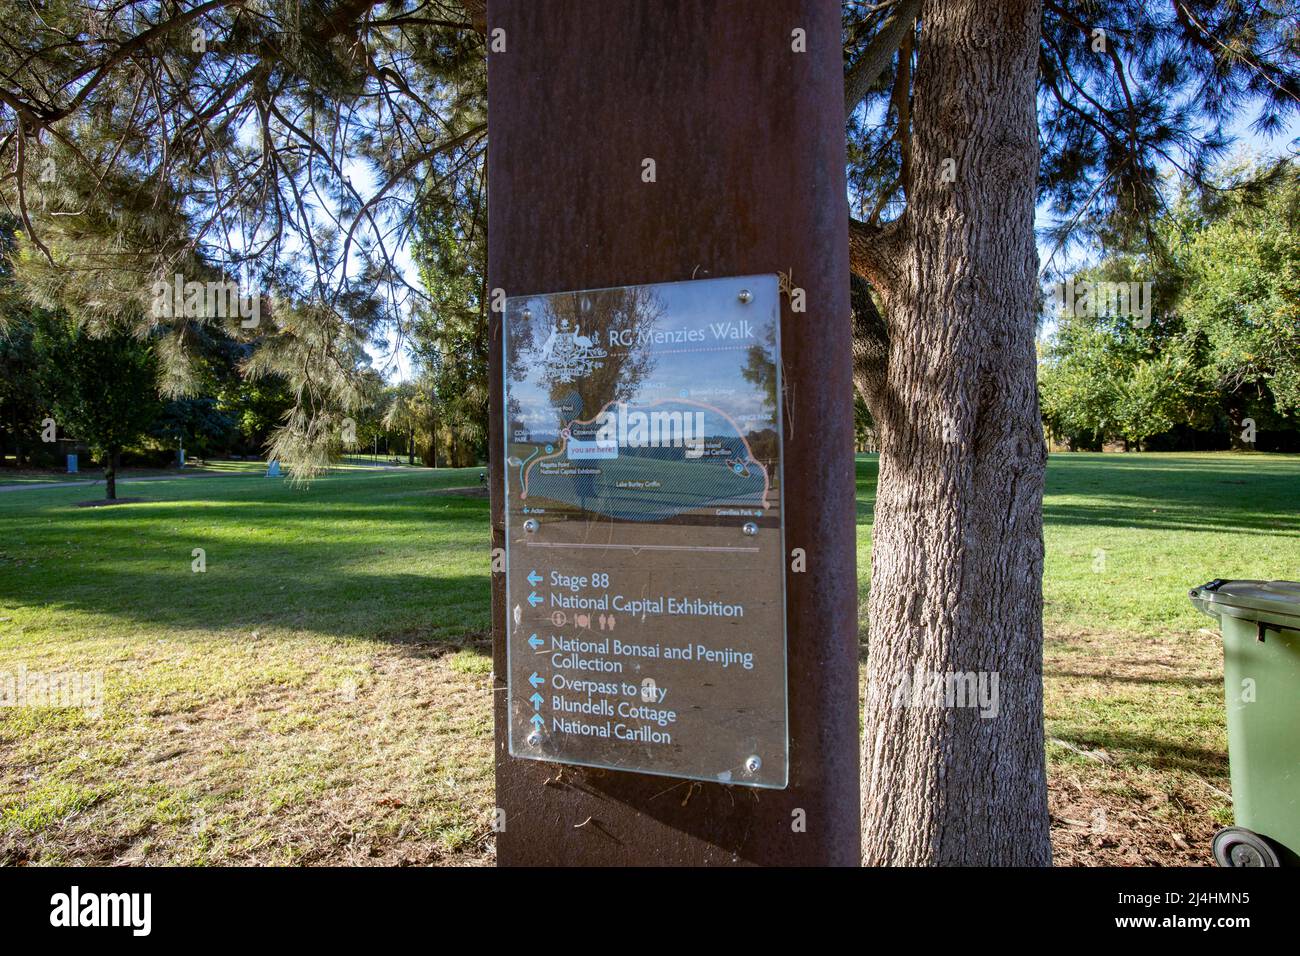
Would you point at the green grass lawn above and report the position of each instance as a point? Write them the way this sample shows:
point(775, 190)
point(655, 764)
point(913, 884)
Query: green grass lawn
point(1132, 672)
point(318, 693)
point(321, 692)
point(1128, 535)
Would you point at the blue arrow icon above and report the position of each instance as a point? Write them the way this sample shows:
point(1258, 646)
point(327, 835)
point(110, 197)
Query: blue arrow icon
point(534, 578)
point(534, 600)
point(537, 700)
point(536, 681)
point(538, 722)
point(535, 642)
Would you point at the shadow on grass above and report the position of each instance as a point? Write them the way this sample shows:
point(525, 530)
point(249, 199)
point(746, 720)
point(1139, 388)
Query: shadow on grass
point(70, 520)
point(377, 559)
point(1190, 683)
point(391, 607)
point(1180, 493)
point(1149, 751)
point(1243, 494)
point(1206, 516)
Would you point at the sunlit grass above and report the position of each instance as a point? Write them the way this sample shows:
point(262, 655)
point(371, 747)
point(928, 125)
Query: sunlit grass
point(321, 692)
point(304, 698)
point(1128, 534)
point(1133, 685)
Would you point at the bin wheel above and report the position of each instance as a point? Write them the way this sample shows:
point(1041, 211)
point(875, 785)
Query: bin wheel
point(1237, 846)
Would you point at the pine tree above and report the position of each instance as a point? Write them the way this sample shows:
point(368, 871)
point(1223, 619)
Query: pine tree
point(962, 117)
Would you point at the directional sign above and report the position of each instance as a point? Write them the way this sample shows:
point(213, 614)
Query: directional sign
point(644, 529)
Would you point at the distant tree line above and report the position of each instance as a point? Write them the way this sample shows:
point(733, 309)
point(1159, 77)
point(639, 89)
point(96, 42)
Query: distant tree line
point(64, 387)
point(1188, 338)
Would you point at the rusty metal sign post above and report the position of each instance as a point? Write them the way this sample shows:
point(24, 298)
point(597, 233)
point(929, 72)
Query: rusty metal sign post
point(632, 145)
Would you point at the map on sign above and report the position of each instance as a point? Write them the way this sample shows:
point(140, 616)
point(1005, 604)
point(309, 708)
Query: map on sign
point(645, 571)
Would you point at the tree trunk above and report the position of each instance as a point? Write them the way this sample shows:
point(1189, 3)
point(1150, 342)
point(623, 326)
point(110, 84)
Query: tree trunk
point(433, 445)
point(1235, 409)
point(112, 461)
point(952, 754)
point(410, 446)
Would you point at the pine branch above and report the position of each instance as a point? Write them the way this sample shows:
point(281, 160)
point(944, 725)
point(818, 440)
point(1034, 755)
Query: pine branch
point(872, 63)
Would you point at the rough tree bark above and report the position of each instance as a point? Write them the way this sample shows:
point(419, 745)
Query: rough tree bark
point(956, 580)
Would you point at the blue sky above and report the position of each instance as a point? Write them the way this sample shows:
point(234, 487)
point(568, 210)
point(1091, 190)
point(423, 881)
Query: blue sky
point(1249, 143)
point(396, 365)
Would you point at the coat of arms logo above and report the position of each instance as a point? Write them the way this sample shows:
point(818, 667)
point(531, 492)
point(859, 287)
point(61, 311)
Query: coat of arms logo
point(569, 355)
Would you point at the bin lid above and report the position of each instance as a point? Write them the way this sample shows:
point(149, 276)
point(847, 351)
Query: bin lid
point(1271, 597)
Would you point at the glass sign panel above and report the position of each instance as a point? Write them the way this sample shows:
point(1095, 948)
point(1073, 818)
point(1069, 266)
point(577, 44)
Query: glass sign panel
point(645, 571)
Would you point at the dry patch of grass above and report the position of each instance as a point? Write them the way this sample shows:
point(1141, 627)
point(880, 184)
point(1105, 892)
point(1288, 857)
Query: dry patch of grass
point(288, 749)
point(296, 752)
point(1137, 747)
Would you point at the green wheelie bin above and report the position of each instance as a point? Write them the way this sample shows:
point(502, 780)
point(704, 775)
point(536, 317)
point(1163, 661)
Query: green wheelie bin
point(1260, 623)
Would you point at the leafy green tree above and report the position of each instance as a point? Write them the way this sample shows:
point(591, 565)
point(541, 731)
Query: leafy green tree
point(21, 405)
point(103, 390)
point(1242, 298)
point(1152, 396)
point(1077, 387)
point(196, 424)
point(257, 406)
point(321, 356)
point(1223, 339)
point(20, 393)
point(449, 333)
point(410, 414)
point(1118, 376)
